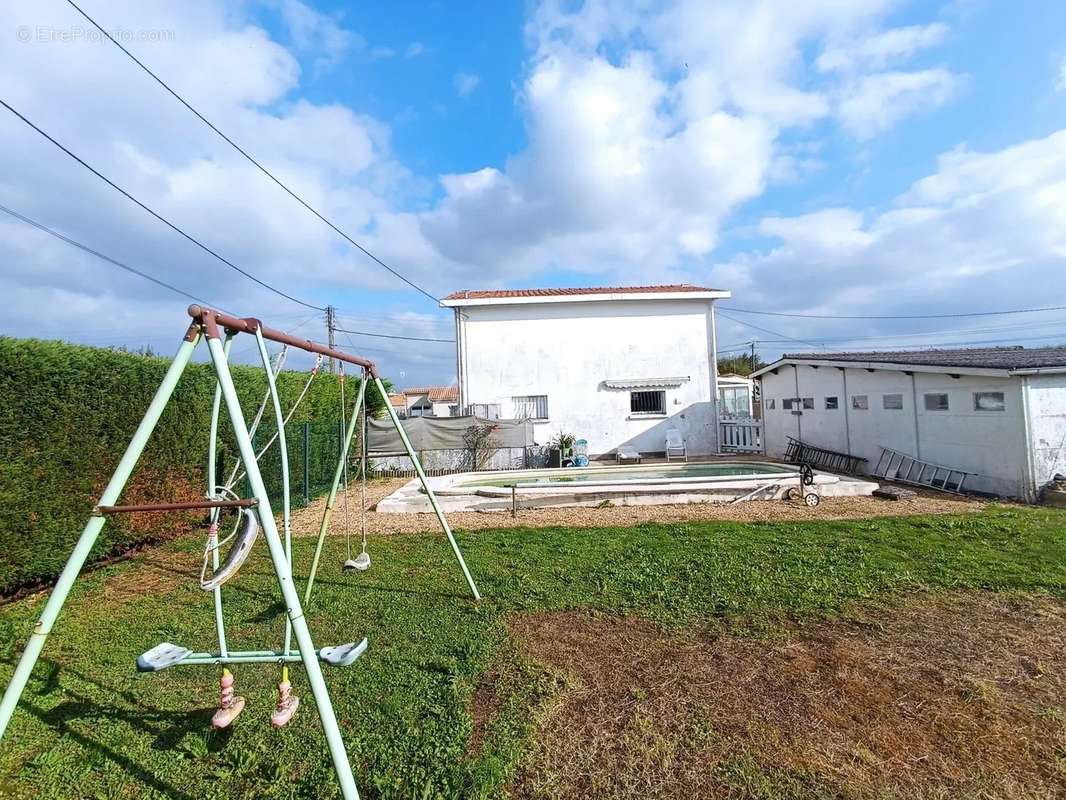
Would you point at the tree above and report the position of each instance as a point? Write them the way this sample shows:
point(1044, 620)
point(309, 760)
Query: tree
point(743, 364)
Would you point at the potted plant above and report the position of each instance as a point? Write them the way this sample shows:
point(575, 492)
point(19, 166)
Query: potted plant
point(561, 447)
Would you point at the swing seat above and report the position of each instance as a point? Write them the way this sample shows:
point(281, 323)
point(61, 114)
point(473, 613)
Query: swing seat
point(161, 656)
point(237, 554)
point(343, 655)
point(360, 563)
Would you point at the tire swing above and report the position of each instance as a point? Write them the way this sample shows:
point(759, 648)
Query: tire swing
point(361, 563)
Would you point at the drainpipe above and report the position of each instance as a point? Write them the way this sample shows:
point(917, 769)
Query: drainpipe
point(714, 382)
point(459, 363)
point(847, 408)
point(1030, 488)
point(799, 416)
point(917, 433)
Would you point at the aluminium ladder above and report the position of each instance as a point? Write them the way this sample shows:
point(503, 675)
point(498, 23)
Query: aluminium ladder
point(901, 468)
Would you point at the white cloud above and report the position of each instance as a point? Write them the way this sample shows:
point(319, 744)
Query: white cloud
point(466, 82)
point(414, 50)
point(1060, 82)
point(878, 50)
point(874, 103)
point(984, 224)
point(314, 31)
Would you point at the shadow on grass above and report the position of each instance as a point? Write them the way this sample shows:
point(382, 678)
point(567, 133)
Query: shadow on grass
point(167, 728)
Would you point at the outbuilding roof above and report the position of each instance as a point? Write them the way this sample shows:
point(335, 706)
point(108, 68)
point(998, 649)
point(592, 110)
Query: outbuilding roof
point(488, 296)
point(1008, 359)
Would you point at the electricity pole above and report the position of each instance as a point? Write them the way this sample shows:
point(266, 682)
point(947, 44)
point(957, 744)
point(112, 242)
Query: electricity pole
point(752, 355)
point(331, 330)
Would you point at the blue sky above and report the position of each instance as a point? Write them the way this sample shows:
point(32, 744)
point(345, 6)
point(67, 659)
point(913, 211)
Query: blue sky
point(844, 157)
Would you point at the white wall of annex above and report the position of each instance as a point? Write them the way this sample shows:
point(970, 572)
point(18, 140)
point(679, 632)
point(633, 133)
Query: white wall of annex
point(991, 444)
point(567, 350)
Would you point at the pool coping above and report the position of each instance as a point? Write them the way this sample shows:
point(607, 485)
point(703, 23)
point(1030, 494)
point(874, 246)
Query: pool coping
point(455, 497)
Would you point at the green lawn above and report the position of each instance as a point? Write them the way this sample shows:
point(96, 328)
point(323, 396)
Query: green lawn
point(91, 726)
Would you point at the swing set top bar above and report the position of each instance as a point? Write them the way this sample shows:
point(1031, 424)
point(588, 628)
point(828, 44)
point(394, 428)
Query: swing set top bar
point(191, 504)
point(212, 320)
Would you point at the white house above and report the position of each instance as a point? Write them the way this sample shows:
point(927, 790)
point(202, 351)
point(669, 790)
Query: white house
point(612, 365)
point(999, 413)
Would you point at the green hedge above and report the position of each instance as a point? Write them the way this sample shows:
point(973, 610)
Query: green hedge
point(67, 413)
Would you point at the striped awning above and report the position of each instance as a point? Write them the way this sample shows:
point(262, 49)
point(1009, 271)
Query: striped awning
point(645, 383)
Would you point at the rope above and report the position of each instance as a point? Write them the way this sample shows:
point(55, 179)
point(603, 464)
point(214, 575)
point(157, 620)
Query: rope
point(234, 477)
point(344, 427)
point(362, 462)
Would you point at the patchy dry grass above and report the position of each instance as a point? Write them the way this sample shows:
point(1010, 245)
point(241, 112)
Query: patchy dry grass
point(959, 695)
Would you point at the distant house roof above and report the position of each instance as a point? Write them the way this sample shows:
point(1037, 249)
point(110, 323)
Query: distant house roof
point(1006, 359)
point(588, 293)
point(398, 400)
point(436, 394)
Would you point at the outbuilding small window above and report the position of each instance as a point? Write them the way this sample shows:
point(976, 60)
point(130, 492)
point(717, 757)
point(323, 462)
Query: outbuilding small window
point(892, 402)
point(860, 402)
point(649, 403)
point(831, 404)
point(989, 401)
point(937, 401)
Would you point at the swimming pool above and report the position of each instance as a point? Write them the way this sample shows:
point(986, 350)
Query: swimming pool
point(592, 476)
point(654, 484)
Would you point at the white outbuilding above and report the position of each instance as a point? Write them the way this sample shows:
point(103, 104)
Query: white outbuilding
point(998, 413)
point(616, 366)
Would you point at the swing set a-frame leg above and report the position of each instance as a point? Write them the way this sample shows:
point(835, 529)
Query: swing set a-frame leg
point(281, 567)
point(93, 527)
point(426, 487)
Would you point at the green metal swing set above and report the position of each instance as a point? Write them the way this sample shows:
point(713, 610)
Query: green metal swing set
point(252, 514)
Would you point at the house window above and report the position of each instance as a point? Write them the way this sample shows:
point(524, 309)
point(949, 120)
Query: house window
point(530, 406)
point(860, 402)
point(735, 400)
point(808, 403)
point(892, 402)
point(831, 404)
point(936, 402)
point(989, 401)
point(649, 403)
point(771, 404)
point(789, 403)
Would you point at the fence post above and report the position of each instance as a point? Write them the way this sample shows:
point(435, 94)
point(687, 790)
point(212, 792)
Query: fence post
point(307, 463)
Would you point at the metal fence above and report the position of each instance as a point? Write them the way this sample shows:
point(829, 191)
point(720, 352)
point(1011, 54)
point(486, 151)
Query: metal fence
point(314, 448)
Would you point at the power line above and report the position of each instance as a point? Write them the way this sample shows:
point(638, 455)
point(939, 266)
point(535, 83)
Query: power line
point(898, 316)
point(394, 336)
point(159, 217)
point(103, 257)
point(244, 153)
point(767, 330)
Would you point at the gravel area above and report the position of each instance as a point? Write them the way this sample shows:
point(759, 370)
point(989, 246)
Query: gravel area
point(305, 521)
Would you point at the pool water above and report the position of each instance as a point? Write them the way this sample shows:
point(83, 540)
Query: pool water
point(613, 474)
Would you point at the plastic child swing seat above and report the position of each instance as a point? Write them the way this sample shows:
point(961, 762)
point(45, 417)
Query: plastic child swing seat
point(361, 563)
point(238, 553)
point(342, 655)
point(229, 705)
point(161, 656)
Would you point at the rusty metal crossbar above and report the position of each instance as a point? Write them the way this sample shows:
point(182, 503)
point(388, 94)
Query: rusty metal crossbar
point(184, 506)
point(212, 321)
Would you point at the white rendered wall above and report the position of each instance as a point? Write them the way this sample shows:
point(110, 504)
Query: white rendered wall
point(567, 350)
point(1047, 423)
point(989, 443)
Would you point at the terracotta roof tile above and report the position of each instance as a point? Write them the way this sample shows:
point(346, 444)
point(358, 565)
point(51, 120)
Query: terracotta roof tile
point(486, 294)
point(436, 394)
